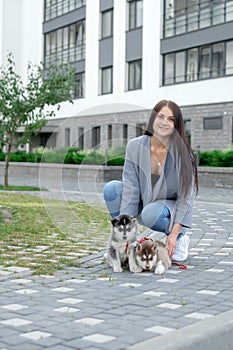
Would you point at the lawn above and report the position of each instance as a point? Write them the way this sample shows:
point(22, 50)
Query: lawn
point(47, 235)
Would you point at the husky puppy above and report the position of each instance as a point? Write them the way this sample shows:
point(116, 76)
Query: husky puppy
point(122, 243)
point(152, 256)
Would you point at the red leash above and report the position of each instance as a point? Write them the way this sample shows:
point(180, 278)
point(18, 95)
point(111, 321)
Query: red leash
point(181, 266)
point(126, 247)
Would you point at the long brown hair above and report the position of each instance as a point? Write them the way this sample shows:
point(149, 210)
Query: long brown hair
point(181, 146)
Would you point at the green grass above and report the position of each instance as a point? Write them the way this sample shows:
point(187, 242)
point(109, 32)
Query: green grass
point(21, 188)
point(48, 235)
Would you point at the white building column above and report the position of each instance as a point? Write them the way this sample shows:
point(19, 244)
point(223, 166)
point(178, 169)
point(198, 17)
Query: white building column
point(92, 50)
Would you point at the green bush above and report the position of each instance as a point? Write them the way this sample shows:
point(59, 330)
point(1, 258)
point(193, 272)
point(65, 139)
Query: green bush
point(116, 161)
point(115, 156)
point(2, 156)
point(78, 157)
point(217, 158)
point(228, 158)
point(20, 156)
point(93, 158)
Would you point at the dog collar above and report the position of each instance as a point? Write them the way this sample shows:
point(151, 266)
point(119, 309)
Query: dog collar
point(126, 247)
point(143, 239)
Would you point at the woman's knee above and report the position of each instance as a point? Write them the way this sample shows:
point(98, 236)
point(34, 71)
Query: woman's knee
point(112, 190)
point(154, 212)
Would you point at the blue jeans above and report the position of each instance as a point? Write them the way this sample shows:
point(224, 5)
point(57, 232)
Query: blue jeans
point(155, 215)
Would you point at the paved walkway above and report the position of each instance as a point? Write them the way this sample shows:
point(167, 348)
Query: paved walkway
point(91, 308)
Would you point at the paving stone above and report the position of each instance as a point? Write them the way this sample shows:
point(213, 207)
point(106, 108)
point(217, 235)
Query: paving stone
point(79, 309)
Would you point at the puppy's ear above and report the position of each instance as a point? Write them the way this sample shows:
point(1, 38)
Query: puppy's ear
point(154, 246)
point(134, 220)
point(114, 221)
point(139, 247)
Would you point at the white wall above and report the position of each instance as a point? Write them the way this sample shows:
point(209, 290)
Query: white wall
point(22, 32)
point(1, 29)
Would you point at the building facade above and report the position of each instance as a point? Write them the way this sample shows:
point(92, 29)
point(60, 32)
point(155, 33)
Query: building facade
point(128, 55)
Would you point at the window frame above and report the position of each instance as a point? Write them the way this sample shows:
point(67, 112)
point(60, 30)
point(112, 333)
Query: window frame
point(105, 91)
point(134, 77)
point(133, 16)
point(216, 66)
point(209, 119)
point(109, 33)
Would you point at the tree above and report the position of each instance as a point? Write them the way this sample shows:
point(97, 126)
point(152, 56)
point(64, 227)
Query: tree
point(28, 105)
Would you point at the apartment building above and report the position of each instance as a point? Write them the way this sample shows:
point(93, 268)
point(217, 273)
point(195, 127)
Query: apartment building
point(127, 55)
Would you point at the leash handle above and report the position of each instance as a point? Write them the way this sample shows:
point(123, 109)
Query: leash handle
point(181, 266)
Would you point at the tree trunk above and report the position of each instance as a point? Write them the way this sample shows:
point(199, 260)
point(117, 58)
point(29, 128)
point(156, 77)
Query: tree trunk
point(7, 163)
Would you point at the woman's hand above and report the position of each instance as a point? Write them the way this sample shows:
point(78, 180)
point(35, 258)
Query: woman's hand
point(171, 244)
point(171, 239)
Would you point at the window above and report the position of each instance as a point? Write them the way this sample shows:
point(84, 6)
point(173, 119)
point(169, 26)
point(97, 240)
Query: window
point(140, 129)
point(217, 60)
point(109, 136)
point(65, 44)
point(79, 90)
point(205, 62)
point(213, 123)
point(181, 16)
point(48, 140)
point(107, 24)
point(135, 14)
point(229, 10)
point(135, 75)
point(125, 133)
point(169, 69)
point(81, 137)
point(205, 14)
point(106, 80)
point(57, 8)
point(67, 137)
point(180, 67)
point(187, 124)
point(192, 15)
point(192, 64)
point(229, 58)
point(96, 137)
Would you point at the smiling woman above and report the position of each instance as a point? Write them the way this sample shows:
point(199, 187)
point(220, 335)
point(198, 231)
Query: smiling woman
point(159, 177)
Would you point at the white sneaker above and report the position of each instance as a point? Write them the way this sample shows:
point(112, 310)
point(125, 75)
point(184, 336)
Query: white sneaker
point(182, 246)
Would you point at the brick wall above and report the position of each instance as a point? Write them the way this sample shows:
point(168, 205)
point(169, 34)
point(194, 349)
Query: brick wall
point(208, 176)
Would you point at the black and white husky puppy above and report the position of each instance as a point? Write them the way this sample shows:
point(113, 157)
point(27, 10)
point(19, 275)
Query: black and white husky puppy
point(122, 243)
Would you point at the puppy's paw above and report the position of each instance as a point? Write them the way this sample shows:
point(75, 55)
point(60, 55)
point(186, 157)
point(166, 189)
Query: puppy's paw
point(160, 269)
point(117, 269)
point(135, 269)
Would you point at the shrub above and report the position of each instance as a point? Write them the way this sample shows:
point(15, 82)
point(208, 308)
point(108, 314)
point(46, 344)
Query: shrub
point(2, 156)
point(93, 158)
point(217, 158)
point(116, 155)
point(228, 158)
point(78, 157)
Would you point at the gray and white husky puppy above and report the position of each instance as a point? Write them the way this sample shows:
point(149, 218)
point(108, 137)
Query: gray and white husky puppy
point(152, 256)
point(122, 243)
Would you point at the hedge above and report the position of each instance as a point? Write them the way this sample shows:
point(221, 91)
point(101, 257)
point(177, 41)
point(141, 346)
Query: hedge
point(114, 156)
point(217, 158)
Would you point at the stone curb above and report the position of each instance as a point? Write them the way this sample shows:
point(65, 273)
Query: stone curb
point(215, 333)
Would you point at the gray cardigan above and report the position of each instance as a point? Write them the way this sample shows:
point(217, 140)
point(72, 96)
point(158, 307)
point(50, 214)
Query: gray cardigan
point(137, 187)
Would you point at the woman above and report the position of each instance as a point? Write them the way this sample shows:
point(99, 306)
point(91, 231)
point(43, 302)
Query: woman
point(159, 177)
